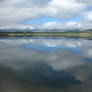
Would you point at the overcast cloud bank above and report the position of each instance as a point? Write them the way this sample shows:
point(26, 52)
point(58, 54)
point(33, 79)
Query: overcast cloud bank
point(14, 12)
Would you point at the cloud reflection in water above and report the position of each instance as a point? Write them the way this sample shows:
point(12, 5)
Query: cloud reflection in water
point(43, 65)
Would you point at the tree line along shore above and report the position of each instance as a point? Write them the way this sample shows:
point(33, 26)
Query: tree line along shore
point(61, 34)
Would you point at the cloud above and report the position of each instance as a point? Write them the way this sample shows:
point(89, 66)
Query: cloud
point(65, 25)
point(20, 10)
point(50, 25)
point(65, 9)
point(88, 16)
point(87, 2)
point(14, 12)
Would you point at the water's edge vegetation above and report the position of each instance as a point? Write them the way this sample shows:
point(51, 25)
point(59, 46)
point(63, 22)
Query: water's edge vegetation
point(42, 34)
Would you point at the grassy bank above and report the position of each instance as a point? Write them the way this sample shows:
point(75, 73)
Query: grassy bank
point(58, 34)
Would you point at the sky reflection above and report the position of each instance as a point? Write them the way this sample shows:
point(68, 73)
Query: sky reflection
point(47, 62)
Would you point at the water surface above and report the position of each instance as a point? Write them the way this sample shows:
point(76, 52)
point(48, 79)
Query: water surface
point(45, 65)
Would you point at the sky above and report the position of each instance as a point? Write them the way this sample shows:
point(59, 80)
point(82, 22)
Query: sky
point(46, 14)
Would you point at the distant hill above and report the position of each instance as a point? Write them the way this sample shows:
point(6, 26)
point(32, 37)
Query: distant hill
point(45, 30)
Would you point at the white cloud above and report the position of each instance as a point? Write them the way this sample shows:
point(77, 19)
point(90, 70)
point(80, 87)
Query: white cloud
point(18, 10)
point(13, 12)
point(65, 9)
point(65, 25)
point(88, 16)
point(51, 25)
point(87, 2)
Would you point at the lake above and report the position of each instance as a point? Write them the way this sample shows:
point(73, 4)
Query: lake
point(45, 65)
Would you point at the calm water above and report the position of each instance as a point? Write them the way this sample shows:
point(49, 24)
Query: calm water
point(45, 65)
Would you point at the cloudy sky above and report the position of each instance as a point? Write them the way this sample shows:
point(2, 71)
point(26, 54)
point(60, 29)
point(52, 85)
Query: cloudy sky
point(45, 13)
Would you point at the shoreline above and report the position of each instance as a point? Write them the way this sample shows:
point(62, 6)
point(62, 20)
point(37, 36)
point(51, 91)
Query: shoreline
point(46, 34)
